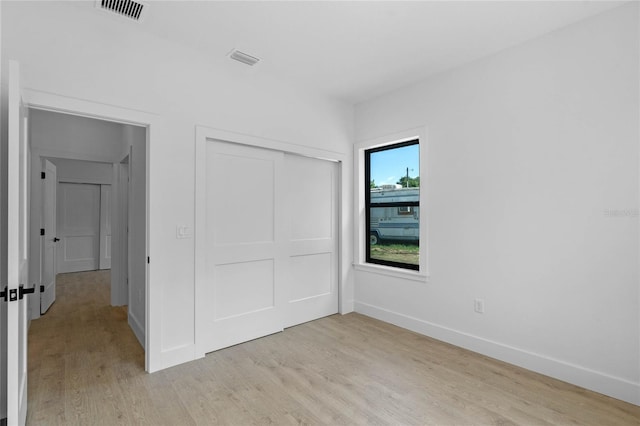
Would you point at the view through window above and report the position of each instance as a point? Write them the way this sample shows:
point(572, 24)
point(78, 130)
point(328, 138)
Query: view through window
point(392, 198)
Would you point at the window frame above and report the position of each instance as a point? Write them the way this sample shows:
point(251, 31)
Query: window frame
point(398, 204)
point(361, 233)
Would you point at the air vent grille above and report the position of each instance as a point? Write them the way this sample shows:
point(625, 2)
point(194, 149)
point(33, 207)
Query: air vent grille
point(126, 8)
point(243, 57)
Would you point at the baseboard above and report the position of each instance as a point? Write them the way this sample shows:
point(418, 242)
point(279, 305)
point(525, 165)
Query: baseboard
point(614, 387)
point(178, 355)
point(137, 328)
point(347, 306)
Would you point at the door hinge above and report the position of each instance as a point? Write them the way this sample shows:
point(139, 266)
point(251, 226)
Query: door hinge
point(41, 231)
point(43, 175)
point(41, 289)
point(148, 259)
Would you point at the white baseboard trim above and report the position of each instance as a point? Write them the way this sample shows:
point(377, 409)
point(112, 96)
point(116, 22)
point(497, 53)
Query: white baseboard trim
point(178, 355)
point(347, 306)
point(614, 387)
point(137, 328)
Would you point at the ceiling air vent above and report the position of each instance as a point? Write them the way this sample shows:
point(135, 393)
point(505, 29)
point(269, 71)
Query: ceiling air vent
point(243, 57)
point(125, 8)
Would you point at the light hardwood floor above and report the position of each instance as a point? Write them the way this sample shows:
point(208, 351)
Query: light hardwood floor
point(86, 368)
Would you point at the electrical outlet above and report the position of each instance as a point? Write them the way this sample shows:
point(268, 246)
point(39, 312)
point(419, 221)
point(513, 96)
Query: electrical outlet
point(478, 306)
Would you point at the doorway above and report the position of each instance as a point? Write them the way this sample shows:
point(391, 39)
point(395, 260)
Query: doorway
point(83, 227)
point(89, 153)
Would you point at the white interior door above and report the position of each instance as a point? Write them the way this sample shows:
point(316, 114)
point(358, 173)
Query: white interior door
point(124, 229)
point(244, 250)
point(78, 227)
point(50, 237)
point(17, 261)
point(311, 287)
point(105, 226)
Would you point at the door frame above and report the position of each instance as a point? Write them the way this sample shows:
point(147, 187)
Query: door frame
point(204, 134)
point(36, 99)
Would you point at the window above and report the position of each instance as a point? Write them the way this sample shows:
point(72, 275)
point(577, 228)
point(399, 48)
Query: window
point(392, 204)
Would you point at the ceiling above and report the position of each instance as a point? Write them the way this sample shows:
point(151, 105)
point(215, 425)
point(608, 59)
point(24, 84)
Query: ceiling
point(358, 50)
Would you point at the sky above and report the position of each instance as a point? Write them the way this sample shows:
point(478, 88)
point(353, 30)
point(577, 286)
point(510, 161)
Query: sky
point(387, 167)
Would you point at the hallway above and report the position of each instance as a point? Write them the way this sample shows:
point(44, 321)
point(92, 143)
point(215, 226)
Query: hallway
point(80, 351)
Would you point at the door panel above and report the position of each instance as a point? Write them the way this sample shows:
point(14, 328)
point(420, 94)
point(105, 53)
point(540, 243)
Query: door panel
point(244, 288)
point(311, 287)
point(311, 188)
point(252, 192)
point(49, 197)
point(17, 261)
point(78, 227)
point(121, 275)
point(243, 257)
point(105, 226)
point(311, 275)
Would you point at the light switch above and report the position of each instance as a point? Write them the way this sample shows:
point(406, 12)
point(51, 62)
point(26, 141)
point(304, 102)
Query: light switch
point(184, 231)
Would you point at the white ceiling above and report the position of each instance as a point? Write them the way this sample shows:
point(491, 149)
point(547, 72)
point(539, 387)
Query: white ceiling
point(358, 50)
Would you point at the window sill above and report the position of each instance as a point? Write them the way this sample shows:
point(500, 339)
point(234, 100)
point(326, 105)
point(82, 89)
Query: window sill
point(392, 272)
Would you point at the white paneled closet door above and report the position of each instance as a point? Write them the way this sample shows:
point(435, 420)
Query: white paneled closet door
point(268, 242)
point(311, 190)
point(244, 251)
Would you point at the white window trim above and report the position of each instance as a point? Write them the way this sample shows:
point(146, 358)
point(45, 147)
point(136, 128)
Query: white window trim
point(361, 233)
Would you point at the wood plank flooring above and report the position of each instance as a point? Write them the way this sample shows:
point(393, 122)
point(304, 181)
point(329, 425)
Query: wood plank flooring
point(87, 368)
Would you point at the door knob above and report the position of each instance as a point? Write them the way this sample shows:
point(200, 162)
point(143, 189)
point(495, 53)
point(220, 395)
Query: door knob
point(56, 239)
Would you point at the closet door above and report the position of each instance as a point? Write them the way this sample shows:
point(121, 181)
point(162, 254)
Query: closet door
point(266, 242)
point(78, 227)
point(244, 255)
point(311, 287)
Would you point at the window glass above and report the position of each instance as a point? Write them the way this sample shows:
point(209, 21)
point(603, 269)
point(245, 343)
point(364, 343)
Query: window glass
point(392, 205)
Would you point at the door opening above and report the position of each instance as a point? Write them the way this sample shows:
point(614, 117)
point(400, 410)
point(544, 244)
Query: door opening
point(92, 233)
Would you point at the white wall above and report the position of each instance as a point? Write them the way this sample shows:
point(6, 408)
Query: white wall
point(74, 137)
point(83, 171)
point(532, 181)
point(114, 63)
